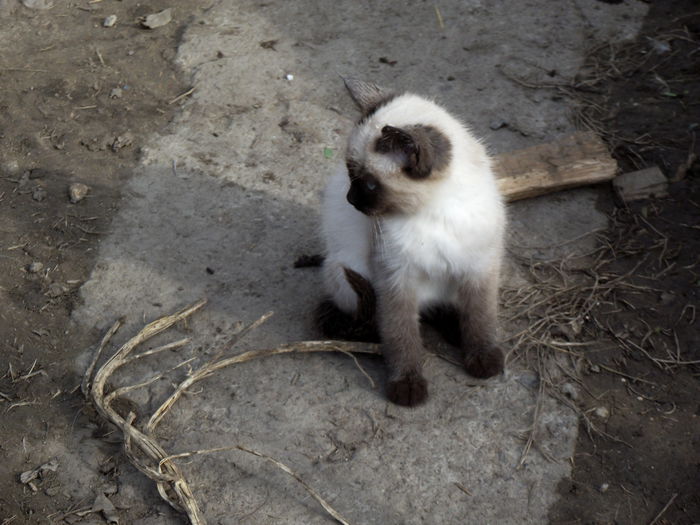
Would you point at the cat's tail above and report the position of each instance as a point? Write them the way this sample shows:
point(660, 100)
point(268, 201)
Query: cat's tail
point(358, 326)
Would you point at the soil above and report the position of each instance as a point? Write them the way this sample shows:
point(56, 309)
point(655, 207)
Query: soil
point(644, 97)
point(75, 106)
point(77, 103)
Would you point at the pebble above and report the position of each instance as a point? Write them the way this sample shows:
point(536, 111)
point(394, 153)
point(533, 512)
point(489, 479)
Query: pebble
point(289, 76)
point(77, 191)
point(39, 194)
point(35, 267)
point(38, 4)
point(595, 369)
point(110, 488)
point(667, 298)
point(122, 141)
point(569, 391)
point(109, 21)
point(660, 47)
point(116, 93)
point(604, 487)
point(51, 491)
point(23, 180)
point(56, 290)
point(10, 167)
point(602, 412)
point(157, 19)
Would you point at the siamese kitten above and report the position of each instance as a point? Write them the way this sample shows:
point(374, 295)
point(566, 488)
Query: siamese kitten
point(413, 226)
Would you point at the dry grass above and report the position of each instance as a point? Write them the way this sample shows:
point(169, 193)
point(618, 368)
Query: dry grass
point(566, 308)
point(141, 446)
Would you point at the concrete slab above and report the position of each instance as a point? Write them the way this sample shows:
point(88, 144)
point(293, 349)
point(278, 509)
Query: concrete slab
point(227, 198)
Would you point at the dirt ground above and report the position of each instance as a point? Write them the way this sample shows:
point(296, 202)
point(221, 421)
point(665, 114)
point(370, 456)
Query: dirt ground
point(643, 97)
point(76, 101)
point(77, 98)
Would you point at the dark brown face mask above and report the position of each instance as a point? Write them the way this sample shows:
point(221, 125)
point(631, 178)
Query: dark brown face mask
point(365, 192)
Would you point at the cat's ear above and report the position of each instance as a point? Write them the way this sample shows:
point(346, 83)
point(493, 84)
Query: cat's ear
point(421, 148)
point(366, 95)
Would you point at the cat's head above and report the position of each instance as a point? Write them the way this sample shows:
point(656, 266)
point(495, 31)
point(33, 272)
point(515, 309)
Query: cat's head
point(393, 169)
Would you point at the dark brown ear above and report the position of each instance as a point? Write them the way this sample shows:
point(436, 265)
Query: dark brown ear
point(422, 148)
point(367, 96)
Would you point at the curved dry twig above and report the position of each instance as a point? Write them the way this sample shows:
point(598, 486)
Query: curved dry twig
point(171, 482)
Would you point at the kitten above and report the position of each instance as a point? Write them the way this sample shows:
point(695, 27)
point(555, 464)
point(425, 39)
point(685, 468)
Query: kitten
point(413, 227)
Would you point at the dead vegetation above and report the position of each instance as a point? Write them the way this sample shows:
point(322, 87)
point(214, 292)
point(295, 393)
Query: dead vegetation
point(566, 309)
point(140, 444)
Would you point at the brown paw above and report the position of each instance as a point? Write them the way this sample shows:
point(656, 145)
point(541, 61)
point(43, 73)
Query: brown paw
point(410, 390)
point(484, 363)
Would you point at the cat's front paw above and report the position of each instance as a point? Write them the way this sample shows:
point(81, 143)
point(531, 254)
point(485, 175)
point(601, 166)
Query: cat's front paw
point(485, 362)
point(409, 390)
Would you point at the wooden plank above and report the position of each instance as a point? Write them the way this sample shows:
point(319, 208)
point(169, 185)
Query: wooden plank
point(574, 160)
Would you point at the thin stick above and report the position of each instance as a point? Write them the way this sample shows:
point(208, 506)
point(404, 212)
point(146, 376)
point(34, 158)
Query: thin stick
point(535, 416)
point(85, 384)
point(359, 366)
point(661, 512)
point(169, 346)
point(181, 96)
point(338, 517)
point(27, 70)
point(211, 367)
point(463, 488)
point(633, 378)
point(438, 14)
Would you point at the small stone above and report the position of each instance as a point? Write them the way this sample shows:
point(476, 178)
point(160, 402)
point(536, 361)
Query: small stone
point(122, 141)
point(642, 184)
point(110, 488)
point(289, 77)
point(109, 21)
point(39, 194)
point(104, 505)
point(56, 290)
point(77, 191)
point(594, 369)
point(116, 93)
point(604, 487)
point(157, 19)
point(51, 491)
point(38, 4)
point(23, 180)
point(667, 298)
point(569, 391)
point(10, 167)
point(602, 412)
point(660, 47)
point(35, 267)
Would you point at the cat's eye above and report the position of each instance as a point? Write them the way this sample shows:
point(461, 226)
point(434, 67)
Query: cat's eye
point(371, 185)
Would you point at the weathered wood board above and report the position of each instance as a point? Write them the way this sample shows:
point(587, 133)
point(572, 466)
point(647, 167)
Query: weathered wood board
point(575, 160)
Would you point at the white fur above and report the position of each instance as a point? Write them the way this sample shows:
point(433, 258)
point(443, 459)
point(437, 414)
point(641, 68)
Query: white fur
point(456, 234)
